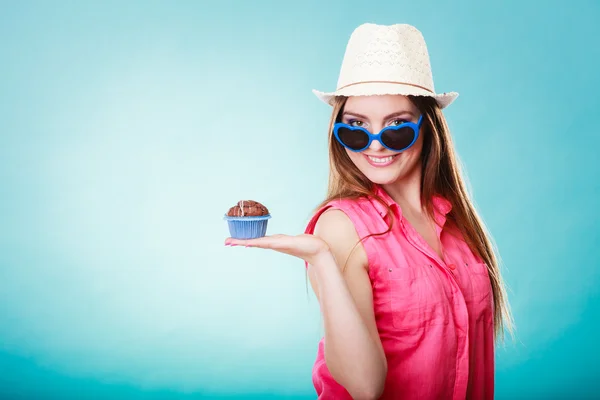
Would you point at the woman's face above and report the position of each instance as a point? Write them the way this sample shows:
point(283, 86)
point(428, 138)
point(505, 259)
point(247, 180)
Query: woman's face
point(378, 164)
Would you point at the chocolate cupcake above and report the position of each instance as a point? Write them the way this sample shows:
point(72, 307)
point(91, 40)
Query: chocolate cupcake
point(247, 220)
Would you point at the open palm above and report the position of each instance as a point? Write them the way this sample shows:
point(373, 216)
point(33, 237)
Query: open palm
point(305, 246)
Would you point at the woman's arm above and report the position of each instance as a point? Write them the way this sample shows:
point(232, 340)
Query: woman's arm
point(353, 350)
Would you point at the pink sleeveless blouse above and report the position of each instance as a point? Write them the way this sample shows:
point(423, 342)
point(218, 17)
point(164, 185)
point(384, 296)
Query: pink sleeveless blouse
point(434, 316)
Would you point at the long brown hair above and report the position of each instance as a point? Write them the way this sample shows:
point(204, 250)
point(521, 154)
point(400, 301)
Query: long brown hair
point(441, 176)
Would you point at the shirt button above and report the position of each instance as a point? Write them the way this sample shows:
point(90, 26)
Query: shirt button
point(452, 266)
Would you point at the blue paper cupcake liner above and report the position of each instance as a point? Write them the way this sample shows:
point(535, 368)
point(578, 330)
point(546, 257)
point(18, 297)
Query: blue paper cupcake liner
point(247, 227)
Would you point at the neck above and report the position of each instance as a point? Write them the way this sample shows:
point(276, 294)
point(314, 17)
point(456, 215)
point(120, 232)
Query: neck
point(406, 192)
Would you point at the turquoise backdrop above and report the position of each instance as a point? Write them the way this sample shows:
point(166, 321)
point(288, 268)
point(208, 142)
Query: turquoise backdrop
point(127, 129)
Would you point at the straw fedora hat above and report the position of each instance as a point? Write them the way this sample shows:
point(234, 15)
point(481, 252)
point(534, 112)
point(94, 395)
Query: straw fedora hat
point(386, 59)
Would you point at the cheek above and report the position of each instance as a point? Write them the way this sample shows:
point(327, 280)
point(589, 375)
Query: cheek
point(358, 159)
point(415, 150)
point(411, 158)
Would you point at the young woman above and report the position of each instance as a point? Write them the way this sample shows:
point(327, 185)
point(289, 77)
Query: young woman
point(405, 273)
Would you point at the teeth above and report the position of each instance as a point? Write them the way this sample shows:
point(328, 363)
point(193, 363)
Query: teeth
point(381, 160)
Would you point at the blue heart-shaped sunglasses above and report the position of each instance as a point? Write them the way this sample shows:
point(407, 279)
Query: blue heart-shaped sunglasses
point(396, 138)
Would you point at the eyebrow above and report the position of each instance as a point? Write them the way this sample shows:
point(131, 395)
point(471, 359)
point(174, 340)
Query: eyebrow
point(392, 115)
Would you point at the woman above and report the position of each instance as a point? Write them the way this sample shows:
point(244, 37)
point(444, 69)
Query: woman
point(407, 280)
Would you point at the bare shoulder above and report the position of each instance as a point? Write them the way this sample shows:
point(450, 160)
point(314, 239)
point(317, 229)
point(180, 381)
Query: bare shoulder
point(338, 231)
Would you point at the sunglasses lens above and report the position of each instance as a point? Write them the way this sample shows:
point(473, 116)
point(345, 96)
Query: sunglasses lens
point(353, 139)
point(398, 139)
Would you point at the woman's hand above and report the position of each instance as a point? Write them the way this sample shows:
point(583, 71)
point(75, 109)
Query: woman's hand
point(310, 248)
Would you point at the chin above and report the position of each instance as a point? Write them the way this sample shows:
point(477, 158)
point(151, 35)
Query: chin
point(382, 177)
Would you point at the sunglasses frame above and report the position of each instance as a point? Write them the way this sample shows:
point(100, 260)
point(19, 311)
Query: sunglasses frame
point(414, 126)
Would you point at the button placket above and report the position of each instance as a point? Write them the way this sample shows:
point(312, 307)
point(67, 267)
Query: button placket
point(459, 305)
point(424, 248)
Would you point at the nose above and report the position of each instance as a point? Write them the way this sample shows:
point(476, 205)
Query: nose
point(376, 144)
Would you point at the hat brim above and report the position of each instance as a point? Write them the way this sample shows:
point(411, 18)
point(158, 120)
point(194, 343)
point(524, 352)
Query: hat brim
point(381, 88)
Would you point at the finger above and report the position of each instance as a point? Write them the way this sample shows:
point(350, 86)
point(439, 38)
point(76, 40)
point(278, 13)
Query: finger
point(266, 242)
point(259, 242)
point(236, 242)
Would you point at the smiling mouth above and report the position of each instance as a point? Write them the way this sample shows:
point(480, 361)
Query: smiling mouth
point(381, 161)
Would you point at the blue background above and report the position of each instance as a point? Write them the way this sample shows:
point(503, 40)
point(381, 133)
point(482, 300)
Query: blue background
point(128, 128)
